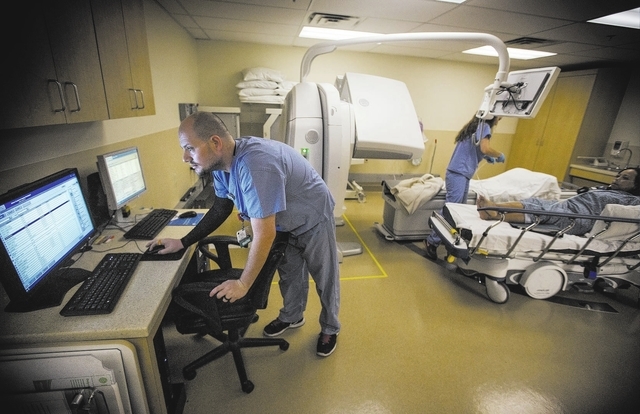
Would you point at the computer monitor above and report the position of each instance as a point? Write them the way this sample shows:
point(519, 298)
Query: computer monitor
point(42, 225)
point(121, 176)
point(524, 92)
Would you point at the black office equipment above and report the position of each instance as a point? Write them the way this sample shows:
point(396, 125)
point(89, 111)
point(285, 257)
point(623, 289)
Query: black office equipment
point(42, 225)
point(225, 321)
point(151, 224)
point(101, 291)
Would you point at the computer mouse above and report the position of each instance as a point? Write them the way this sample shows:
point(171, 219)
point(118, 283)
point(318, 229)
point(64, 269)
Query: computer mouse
point(154, 249)
point(188, 214)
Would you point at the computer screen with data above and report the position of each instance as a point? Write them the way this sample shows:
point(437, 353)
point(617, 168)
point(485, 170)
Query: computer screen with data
point(121, 176)
point(42, 225)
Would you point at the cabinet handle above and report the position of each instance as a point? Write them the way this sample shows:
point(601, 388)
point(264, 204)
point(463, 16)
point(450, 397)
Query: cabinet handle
point(135, 99)
point(75, 91)
point(141, 98)
point(60, 93)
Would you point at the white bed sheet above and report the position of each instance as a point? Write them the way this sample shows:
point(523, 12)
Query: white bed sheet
point(501, 238)
point(517, 184)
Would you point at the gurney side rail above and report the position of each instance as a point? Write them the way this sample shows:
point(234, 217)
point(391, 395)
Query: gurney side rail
point(537, 214)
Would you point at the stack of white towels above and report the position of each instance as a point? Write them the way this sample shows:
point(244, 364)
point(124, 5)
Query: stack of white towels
point(263, 85)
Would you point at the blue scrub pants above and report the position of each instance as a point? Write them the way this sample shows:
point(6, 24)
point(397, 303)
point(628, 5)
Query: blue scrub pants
point(314, 252)
point(457, 186)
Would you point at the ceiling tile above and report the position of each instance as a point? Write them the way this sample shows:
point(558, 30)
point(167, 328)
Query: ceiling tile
point(228, 25)
point(501, 21)
point(409, 10)
point(577, 11)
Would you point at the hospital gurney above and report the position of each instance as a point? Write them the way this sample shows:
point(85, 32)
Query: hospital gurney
point(542, 260)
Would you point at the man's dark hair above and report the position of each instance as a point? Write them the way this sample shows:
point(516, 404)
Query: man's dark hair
point(206, 124)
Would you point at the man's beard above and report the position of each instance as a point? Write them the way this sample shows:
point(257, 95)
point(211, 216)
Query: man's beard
point(206, 171)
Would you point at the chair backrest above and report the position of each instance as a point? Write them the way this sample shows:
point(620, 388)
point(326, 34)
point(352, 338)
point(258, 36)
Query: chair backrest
point(259, 291)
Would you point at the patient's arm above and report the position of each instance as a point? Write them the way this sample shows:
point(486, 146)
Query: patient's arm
point(482, 202)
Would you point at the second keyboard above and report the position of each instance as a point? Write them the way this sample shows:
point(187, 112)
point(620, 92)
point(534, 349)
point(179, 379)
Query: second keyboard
point(151, 224)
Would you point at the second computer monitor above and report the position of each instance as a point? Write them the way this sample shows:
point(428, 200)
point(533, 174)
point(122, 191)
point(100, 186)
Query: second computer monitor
point(121, 176)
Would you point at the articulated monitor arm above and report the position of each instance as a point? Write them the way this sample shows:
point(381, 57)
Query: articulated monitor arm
point(493, 41)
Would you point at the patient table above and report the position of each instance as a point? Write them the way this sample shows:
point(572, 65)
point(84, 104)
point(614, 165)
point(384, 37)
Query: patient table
point(543, 261)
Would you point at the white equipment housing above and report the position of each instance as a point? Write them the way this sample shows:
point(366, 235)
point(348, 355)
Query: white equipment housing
point(374, 119)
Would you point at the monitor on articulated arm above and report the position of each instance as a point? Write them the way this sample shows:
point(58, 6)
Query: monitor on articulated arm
point(522, 95)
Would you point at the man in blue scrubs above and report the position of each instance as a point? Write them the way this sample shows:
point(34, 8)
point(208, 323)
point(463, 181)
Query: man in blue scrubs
point(276, 189)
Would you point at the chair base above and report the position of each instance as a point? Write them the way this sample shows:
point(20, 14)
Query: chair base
point(234, 344)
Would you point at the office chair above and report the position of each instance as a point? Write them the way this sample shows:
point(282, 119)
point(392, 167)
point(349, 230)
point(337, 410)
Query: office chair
point(227, 322)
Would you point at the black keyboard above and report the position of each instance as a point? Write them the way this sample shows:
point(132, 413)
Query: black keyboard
point(101, 291)
point(151, 224)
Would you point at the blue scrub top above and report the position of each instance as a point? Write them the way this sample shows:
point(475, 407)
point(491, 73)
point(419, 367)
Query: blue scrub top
point(467, 155)
point(268, 177)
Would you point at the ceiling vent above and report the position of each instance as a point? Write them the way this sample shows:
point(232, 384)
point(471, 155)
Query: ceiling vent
point(530, 41)
point(334, 21)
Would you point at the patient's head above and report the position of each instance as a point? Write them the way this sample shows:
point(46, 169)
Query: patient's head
point(627, 180)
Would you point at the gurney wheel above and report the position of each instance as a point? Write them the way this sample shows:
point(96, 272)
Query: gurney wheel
point(498, 292)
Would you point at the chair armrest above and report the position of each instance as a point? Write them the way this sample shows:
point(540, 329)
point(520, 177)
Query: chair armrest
point(221, 244)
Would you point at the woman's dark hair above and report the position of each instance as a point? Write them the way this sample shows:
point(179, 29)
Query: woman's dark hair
point(636, 183)
point(472, 126)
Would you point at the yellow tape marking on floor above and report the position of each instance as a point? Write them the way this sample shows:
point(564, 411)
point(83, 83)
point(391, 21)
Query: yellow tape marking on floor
point(384, 274)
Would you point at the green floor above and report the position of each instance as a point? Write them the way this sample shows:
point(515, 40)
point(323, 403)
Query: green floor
point(417, 337)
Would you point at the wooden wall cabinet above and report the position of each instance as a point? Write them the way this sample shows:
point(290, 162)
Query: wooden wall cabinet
point(576, 119)
point(69, 61)
point(51, 67)
point(124, 53)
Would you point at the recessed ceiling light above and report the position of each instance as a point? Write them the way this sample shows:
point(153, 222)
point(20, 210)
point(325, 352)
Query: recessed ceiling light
point(514, 53)
point(311, 32)
point(453, 1)
point(629, 18)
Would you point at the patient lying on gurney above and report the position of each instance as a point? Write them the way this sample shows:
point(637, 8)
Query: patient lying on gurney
point(625, 190)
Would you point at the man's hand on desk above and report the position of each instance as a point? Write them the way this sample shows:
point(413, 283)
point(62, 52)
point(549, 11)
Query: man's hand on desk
point(170, 245)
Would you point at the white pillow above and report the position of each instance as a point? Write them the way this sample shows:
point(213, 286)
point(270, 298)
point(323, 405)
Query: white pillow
point(264, 84)
point(256, 92)
point(262, 74)
point(617, 230)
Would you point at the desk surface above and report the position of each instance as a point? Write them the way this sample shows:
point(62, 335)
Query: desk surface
point(137, 314)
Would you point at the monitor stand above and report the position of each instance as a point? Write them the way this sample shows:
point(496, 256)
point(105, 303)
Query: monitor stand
point(51, 294)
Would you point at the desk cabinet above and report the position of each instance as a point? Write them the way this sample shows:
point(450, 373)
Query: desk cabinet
point(576, 119)
point(51, 68)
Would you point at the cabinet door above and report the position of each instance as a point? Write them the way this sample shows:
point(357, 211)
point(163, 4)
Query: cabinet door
point(122, 44)
point(139, 55)
point(75, 54)
point(563, 125)
point(112, 47)
point(27, 66)
point(528, 137)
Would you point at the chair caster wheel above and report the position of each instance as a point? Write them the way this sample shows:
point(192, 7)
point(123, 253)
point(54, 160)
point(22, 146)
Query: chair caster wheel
point(189, 374)
point(284, 346)
point(247, 386)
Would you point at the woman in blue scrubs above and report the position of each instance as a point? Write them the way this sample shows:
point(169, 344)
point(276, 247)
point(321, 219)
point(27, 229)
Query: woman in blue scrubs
point(472, 145)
